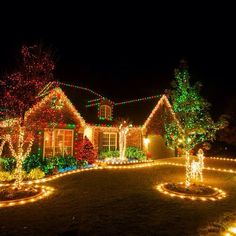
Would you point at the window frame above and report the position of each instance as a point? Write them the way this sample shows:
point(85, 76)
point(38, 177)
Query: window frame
point(109, 140)
point(107, 111)
point(54, 138)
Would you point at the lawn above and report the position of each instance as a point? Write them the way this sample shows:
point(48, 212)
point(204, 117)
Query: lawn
point(118, 202)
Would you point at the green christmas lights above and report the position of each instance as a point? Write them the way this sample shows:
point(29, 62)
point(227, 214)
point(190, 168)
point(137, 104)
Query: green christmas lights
point(192, 112)
point(125, 102)
point(97, 101)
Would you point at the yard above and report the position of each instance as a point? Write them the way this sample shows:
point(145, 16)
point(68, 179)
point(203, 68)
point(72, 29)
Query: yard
point(120, 202)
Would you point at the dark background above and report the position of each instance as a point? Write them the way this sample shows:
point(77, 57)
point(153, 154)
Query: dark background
point(126, 52)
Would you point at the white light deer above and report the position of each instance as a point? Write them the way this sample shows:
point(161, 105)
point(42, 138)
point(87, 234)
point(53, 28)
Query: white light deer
point(197, 167)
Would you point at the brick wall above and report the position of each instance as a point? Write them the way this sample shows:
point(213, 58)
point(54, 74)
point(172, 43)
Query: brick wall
point(134, 137)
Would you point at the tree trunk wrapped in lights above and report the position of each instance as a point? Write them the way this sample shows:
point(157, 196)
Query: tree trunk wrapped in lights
point(193, 124)
point(123, 131)
point(19, 153)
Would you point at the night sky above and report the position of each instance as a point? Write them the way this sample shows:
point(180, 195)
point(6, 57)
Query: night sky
point(132, 54)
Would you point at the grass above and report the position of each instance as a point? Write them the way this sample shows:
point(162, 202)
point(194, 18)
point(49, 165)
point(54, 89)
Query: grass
point(118, 202)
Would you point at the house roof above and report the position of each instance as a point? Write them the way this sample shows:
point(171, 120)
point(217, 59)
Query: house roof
point(79, 97)
point(136, 110)
point(65, 99)
point(162, 101)
point(84, 103)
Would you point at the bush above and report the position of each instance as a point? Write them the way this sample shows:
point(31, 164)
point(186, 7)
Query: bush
point(31, 162)
point(8, 163)
point(85, 151)
point(48, 165)
point(109, 154)
point(36, 173)
point(82, 163)
point(69, 168)
point(64, 162)
point(135, 153)
point(5, 176)
point(55, 164)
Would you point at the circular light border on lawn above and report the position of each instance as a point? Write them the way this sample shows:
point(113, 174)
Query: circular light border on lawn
point(44, 191)
point(217, 195)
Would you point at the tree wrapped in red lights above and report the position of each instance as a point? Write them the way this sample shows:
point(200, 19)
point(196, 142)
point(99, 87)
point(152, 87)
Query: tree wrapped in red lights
point(85, 151)
point(21, 91)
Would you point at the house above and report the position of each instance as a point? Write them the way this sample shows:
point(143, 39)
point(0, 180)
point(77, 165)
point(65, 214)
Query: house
point(80, 112)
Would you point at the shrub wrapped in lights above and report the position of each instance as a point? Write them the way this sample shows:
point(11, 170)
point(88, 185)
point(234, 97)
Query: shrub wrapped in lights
point(85, 151)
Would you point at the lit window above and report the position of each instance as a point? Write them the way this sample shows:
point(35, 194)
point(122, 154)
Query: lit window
point(109, 141)
point(105, 112)
point(58, 142)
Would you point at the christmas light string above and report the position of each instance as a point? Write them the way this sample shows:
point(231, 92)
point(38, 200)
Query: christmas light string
point(126, 102)
point(82, 88)
point(137, 100)
point(96, 101)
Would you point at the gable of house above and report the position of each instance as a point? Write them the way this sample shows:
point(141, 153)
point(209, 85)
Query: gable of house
point(154, 128)
point(60, 125)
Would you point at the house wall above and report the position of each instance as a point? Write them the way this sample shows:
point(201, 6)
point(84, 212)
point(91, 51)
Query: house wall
point(97, 135)
point(38, 145)
point(158, 148)
point(155, 131)
point(134, 137)
point(64, 118)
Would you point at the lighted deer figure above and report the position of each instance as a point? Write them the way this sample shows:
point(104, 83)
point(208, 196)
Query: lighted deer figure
point(123, 130)
point(197, 166)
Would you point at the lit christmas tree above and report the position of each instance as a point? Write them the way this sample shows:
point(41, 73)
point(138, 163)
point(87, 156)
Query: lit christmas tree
point(194, 124)
point(20, 93)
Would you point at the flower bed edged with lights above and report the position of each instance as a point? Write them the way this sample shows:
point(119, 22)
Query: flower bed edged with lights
point(192, 192)
point(11, 196)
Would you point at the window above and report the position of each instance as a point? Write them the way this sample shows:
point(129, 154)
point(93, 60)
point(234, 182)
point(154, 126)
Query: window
point(105, 112)
point(58, 142)
point(109, 141)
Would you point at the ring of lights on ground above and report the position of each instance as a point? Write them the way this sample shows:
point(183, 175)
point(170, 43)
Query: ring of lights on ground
point(41, 192)
point(217, 195)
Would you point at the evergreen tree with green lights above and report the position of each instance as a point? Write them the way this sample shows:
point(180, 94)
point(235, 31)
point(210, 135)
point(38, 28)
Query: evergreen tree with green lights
point(193, 124)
